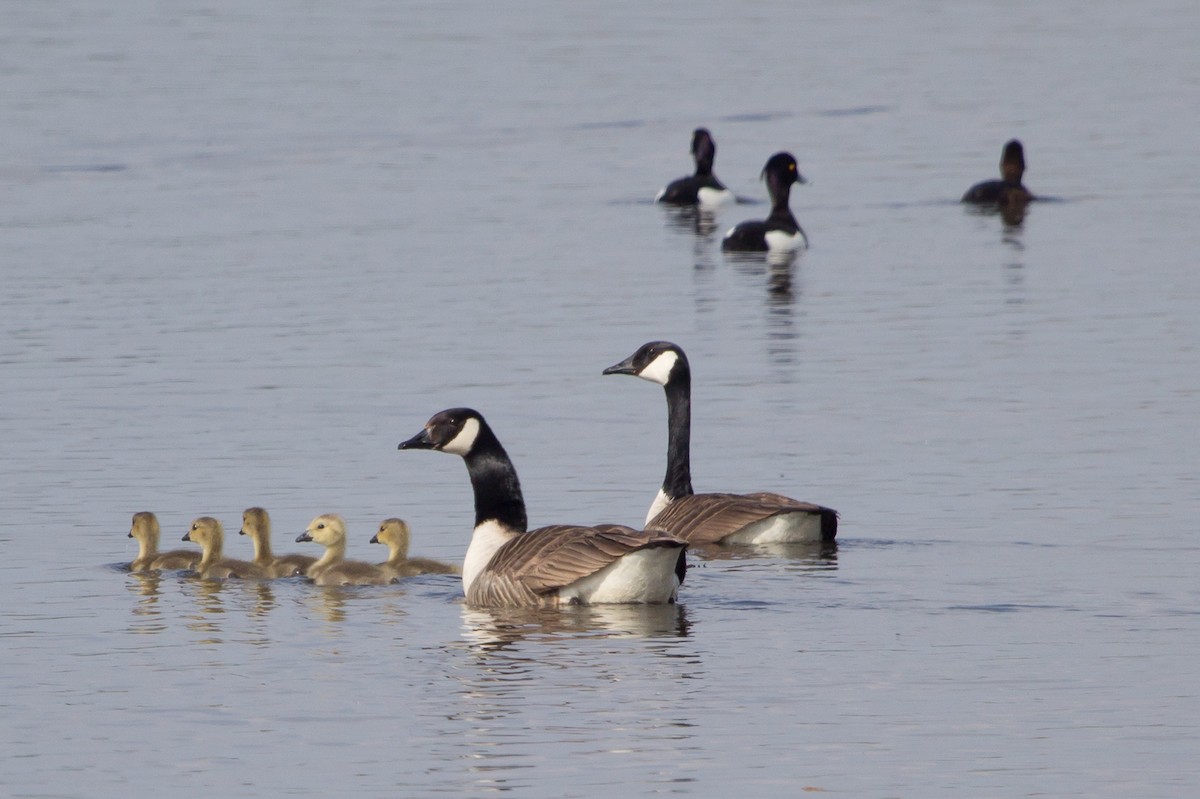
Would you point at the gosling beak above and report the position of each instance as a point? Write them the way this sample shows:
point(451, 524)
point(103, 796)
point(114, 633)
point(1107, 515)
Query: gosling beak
point(242, 531)
point(130, 534)
point(187, 536)
point(375, 539)
point(420, 441)
point(303, 537)
point(625, 367)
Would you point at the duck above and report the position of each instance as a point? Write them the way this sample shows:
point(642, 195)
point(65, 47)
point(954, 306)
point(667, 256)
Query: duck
point(329, 530)
point(1008, 191)
point(508, 565)
point(720, 518)
point(702, 188)
point(395, 533)
point(256, 523)
point(210, 535)
point(779, 232)
point(146, 530)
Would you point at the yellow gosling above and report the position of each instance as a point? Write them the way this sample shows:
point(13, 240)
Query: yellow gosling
point(256, 523)
point(146, 530)
point(329, 530)
point(208, 533)
point(396, 534)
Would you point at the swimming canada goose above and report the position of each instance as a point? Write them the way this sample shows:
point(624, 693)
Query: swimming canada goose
point(329, 530)
point(395, 533)
point(779, 232)
point(146, 530)
point(760, 518)
point(256, 523)
point(508, 566)
point(701, 188)
point(210, 535)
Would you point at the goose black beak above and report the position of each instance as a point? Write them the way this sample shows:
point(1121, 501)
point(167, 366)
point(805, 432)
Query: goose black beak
point(130, 534)
point(420, 441)
point(187, 536)
point(242, 531)
point(625, 367)
point(303, 537)
point(375, 539)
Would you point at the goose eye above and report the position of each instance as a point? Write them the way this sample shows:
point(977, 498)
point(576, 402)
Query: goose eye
point(320, 526)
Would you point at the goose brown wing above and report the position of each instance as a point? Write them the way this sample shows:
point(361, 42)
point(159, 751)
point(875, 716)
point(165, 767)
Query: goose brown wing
point(708, 518)
point(548, 558)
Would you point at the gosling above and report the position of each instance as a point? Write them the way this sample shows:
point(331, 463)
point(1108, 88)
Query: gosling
point(395, 533)
point(256, 523)
point(208, 533)
point(329, 530)
point(146, 530)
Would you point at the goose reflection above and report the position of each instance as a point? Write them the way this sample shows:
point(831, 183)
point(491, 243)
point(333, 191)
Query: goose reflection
point(496, 629)
point(817, 556)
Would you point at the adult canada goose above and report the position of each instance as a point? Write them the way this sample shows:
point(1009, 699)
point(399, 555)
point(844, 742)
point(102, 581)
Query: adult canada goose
point(395, 533)
point(256, 523)
point(702, 188)
point(759, 518)
point(329, 530)
point(210, 535)
point(508, 566)
point(146, 530)
point(779, 232)
point(1008, 191)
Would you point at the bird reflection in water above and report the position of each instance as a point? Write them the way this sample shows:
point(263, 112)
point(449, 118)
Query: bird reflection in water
point(701, 222)
point(816, 556)
point(493, 629)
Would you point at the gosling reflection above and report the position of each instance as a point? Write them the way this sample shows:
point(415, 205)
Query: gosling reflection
point(495, 629)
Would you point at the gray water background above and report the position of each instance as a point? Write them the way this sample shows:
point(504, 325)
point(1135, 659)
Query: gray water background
point(249, 247)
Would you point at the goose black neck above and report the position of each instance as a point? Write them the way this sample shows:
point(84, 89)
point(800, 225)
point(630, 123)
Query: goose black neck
point(494, 479)
point(678, 482)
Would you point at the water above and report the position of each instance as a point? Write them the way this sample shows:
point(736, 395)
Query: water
point(248, 249)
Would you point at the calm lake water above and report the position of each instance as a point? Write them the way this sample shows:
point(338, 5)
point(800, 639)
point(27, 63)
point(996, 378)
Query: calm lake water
point(248, 248)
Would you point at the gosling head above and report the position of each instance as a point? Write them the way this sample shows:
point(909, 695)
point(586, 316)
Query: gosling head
point(394, 533)
point(255, 522)
point(205, 531)
point(327, 529)
point(145, 527)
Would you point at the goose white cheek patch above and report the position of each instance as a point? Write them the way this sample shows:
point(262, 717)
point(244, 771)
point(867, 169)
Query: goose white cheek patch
point(659, 370)
point(461, 444)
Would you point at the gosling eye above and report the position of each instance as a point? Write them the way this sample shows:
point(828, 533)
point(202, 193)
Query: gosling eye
point(321, 526)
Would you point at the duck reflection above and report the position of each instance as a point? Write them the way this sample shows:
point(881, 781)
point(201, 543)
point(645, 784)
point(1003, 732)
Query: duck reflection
point(494, 629)
point(701, 222)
